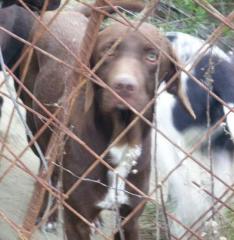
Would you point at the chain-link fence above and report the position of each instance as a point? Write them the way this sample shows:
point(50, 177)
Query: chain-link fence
point(120, 133)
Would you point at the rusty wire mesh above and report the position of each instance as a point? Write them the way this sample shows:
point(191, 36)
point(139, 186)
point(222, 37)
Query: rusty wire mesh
point(158, 215)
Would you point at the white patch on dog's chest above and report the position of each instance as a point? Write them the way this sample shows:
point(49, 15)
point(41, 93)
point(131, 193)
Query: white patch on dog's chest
point(125, 158)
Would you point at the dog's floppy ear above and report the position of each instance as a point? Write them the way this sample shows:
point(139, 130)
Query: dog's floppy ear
point(89, 95)
point(89, 88)
point(176, 86)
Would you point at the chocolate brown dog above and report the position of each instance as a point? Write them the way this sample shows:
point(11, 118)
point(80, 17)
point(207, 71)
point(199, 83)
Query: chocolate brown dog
point(130, 70)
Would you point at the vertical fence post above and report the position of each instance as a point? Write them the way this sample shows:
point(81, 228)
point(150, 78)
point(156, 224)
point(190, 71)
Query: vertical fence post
point(56, 144)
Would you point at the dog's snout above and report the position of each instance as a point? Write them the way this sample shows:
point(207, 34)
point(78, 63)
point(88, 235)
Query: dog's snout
point(121, 86)
point(125, 84)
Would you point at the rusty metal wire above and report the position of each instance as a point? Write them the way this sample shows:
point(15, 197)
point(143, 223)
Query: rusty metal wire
point(61, 131)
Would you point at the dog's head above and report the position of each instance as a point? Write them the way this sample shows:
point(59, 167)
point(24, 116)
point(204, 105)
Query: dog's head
point(130, 69)
point(34, 4)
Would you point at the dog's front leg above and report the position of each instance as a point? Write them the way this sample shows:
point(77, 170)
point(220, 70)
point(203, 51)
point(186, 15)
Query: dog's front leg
point(76, 229)
point(131, 229)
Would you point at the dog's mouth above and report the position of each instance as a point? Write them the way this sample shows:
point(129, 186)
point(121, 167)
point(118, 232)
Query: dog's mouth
point(121, 105)
point(125, 115)
point(130, 100)
point(112, 103)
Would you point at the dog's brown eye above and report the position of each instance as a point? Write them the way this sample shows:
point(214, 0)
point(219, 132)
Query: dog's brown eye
point(111, 53)
point(151, 56)
point(108, 49)
point(107, 54)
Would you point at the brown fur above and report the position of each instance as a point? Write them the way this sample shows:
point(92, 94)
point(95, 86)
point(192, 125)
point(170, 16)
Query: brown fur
point(134, 6)
point(107, 116)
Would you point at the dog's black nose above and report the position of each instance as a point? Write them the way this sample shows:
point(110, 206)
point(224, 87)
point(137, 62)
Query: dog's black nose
point(124, 85)
point(119, 87)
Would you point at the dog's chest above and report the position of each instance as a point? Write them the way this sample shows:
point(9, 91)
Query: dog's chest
point(125, 158)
